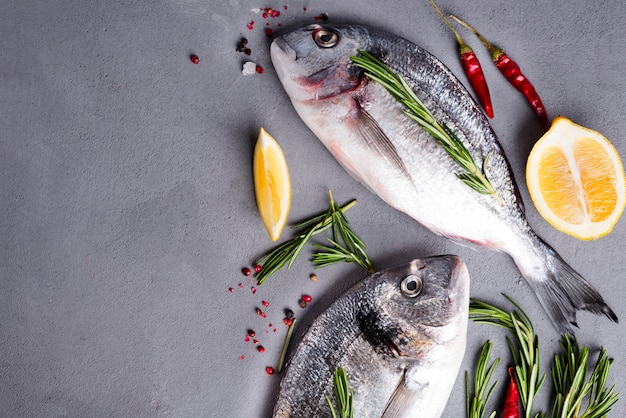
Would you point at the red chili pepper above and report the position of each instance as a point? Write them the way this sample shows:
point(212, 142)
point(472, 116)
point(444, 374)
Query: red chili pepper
point(513, 74)
point(511, 399)
point(471, 66)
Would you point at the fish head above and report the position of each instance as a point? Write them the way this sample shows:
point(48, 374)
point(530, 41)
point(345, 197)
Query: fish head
point(313, 62)
point(422, 308)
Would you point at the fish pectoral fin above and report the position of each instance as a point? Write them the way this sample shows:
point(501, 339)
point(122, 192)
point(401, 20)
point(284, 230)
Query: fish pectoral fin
point(402, 400)
point(374, 137)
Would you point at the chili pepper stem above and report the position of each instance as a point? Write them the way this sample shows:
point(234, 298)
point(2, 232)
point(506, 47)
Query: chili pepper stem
point(513, 74)
point(493, 51)
point(462, 44)
point(471, 66)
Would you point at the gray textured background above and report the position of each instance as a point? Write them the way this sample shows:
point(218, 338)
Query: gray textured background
point(127, 208)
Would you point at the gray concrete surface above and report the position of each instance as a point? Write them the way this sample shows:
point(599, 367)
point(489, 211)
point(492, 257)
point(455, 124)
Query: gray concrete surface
point(127, 208)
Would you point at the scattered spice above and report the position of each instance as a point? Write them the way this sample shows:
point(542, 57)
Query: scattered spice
point(307, 298)
point(288, 321)
point(260, 349)
point(302, 303)
point(313, 277)
point(471, 67)
point(243, 46)
point(253, 289)
point(257, 268)
point(265, 303)
point(259, 69)
point(269, 370)
point(231, 290)
point(260, 313)
point(241, 285)
point(251, 333)
point(251, 25)
point(512, 72)
point(246, 271)
point(289, 314)
point(268, 32)
point(255, 341)
point(323, 17)
point(241, 357)
point(194, 59)
point(247, 339)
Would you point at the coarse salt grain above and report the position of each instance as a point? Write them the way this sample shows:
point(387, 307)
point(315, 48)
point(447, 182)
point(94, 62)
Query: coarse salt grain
point(249, 68)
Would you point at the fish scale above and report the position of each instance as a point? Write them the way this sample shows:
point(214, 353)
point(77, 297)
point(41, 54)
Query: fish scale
point(367, 132)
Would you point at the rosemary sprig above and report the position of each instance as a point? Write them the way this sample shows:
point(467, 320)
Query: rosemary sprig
point(525, 355)
point(477, 403)
point(568, 375)
point(343, 396)
point(569, 372)
point(285, 254)
point(352, 252)
point(472, 174)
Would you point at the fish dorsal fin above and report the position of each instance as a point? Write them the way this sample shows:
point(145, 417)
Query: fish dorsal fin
point(376, 139)
point(402, 399)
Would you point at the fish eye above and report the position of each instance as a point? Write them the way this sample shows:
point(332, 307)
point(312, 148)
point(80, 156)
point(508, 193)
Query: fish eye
point(411, 286)
point(325, 38)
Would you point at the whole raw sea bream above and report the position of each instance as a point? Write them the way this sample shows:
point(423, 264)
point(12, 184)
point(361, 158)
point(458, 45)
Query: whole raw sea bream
point(399, 335)
point(365, 129)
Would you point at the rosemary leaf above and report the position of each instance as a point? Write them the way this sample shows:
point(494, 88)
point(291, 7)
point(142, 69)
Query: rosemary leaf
point(343, 395)
point(525, 351)
point(352, 250)
point(283, 350)
point(578, 393)
point(286, 254)
point(472, 174)
point(477, 403)
point(577, 396)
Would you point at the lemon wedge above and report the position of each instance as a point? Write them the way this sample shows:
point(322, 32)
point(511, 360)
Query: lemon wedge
point(576, 180)
point(272, 185)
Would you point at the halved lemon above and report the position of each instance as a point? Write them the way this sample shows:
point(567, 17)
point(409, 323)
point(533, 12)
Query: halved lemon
point(576, 180)
point(272, 185)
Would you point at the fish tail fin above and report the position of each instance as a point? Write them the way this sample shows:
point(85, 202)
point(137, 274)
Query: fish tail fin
point(562, 292)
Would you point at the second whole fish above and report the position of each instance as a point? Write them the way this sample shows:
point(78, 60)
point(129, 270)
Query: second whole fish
point(367, 132)
point(399, 335)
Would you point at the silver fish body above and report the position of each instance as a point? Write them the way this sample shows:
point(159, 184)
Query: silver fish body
point(366, 131)
point(400, 336)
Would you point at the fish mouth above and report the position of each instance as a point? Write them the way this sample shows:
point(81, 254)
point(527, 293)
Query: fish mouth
point(457, 283)
point(284, 47)
point(393, 348)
